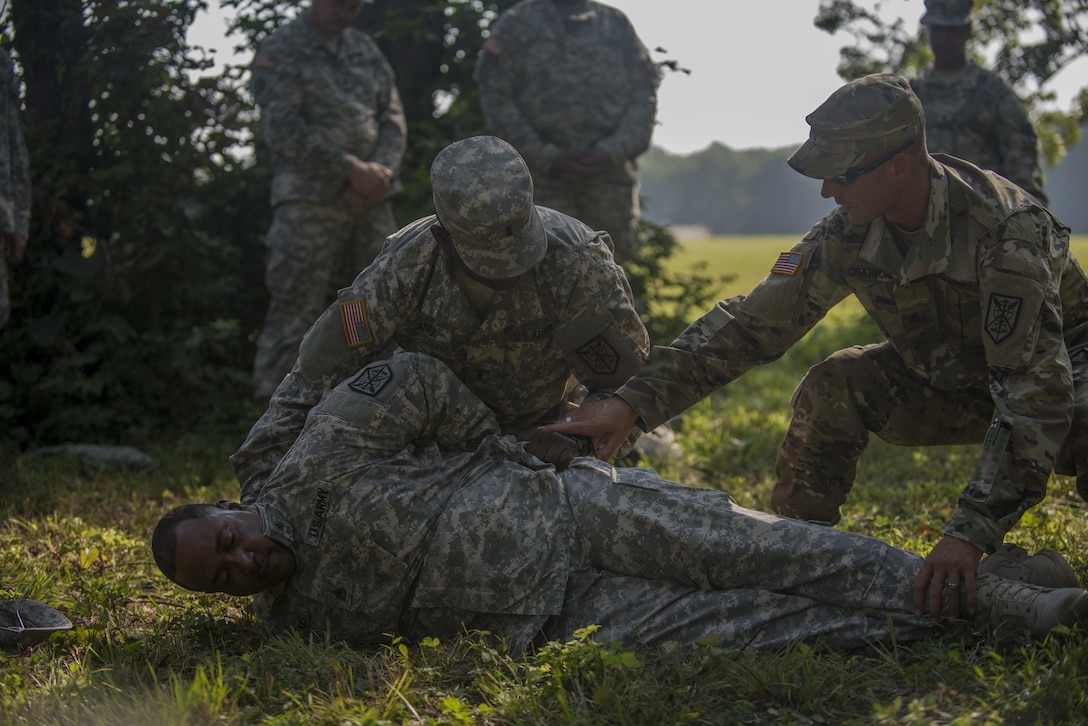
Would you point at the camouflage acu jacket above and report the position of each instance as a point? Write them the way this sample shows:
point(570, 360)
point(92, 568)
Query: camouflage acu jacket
point(322, 103)
point(991, 298)
point(975, 115)
point(552, 80)
point(386, 518)
point(570, 319)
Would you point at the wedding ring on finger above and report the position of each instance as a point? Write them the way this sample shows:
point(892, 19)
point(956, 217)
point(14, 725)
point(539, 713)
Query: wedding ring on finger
point(952, 585)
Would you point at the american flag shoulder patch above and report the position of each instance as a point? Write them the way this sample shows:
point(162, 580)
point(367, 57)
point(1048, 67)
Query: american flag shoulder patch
point(787, 263)
point(353, 316)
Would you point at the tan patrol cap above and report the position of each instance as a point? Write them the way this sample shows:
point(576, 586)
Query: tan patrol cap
point(483, 196)
point(873, 113)
point(951, 13)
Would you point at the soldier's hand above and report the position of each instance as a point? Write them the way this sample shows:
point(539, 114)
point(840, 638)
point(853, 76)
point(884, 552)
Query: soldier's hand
point(14, 248)
point(368, 183)
point(571, 166)
point(552, 447)
point(949, 568)
point(607, 422)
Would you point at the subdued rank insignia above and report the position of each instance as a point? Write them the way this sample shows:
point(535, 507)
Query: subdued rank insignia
point(1001, 316)
point(353, 316)
point(787, 263)
point(372, 380)
point(600, 356)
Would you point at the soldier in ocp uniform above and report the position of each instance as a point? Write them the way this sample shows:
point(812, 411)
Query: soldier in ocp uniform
point(571, 86)
point(401, 511)
point(973, 113)
point(331, 116)
point(14, 182)
point(984, 309)
point(525, 304)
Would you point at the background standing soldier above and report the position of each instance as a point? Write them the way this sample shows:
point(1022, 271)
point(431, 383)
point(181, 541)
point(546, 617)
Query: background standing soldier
point(569, 84)
point(971, 112)
point(332, 117)
point(14, 181)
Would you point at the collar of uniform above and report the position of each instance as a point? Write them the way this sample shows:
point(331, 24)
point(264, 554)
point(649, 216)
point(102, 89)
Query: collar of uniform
point(314, 38)
point(277, 526)
point(920, 260)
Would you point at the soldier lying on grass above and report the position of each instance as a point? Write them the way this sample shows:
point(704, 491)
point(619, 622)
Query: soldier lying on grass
point(401, 510)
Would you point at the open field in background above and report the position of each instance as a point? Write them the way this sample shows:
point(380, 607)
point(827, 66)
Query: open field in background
point(144, 652)
point(749, 258)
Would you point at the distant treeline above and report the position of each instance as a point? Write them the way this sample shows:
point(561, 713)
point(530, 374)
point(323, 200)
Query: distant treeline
point(753, 191)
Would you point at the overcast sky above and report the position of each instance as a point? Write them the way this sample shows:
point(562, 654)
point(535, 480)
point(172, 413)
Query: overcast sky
point(757, 66)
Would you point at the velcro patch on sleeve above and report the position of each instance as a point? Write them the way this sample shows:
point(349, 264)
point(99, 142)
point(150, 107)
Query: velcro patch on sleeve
point(356, 330)
point(787, 263)
point(372, 380)
point(600, 357)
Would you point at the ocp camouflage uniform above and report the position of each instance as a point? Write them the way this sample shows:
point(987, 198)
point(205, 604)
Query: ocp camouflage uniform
point(577, 79)
point(408, 515)
point(569, 320)
point(323, 104)
point(975, 115)
point(14, 173)
point(986, 316)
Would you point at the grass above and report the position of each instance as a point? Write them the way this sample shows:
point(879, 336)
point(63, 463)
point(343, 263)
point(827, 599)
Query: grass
point(144, 652)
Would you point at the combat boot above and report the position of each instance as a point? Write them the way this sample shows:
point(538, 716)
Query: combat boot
point(1007, 606)
point(1045, 568)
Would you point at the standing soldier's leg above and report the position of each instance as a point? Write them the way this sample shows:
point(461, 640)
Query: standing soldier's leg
point(302, 245)
point(613, 207)
point(840, 401)
point(5, 299)
point(371, 229)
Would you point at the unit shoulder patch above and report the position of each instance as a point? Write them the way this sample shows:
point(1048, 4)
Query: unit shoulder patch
point(372, 380)
point(1002, 315)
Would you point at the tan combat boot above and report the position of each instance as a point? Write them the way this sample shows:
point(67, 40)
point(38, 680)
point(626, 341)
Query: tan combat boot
point(1045, 568)
point(1007, 606)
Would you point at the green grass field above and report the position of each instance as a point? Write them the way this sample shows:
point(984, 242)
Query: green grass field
point(144, 652)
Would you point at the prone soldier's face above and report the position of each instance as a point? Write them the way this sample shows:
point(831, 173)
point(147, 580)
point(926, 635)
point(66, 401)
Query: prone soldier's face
point(330, 18)
point(228, 552)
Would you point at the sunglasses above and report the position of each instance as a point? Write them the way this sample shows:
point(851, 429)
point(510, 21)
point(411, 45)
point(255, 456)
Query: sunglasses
point(847, 177)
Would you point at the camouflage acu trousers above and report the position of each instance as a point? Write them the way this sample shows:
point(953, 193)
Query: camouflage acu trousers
point(5, 294)
point(312, 250)
point(869, 389)
point(656, 561)
point(609, 205)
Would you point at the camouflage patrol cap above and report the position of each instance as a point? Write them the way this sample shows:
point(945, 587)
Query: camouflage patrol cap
point(483, 196)
point(952, 13)
point(878, 112)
